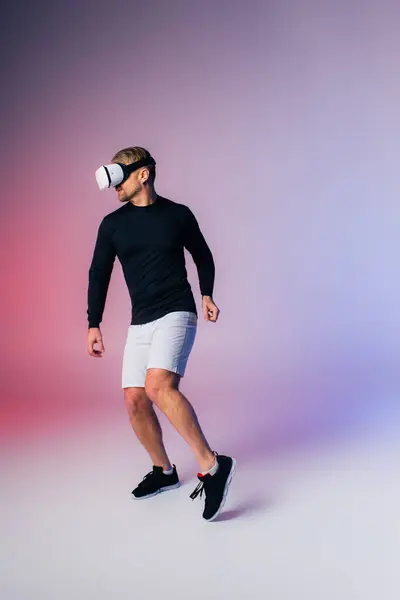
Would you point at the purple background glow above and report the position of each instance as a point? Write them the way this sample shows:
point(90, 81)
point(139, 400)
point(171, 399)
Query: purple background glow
point(278, 124)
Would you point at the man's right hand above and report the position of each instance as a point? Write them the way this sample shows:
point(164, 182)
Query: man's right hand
point(95, 337)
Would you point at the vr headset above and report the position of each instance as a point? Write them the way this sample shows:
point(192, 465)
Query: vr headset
point(109, 176)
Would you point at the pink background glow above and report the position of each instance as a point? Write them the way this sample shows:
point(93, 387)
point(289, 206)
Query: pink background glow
point(278, 124)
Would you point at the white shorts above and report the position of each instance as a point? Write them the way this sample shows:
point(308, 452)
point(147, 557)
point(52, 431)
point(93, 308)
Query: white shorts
point(161, 344)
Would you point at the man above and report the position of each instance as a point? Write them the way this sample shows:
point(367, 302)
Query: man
point(148, 234)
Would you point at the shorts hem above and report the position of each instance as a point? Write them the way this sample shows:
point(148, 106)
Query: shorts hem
point(132, 385)
point(175, 370)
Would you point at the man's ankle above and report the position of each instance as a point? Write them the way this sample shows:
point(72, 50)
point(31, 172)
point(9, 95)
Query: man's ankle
point(165, 466)
point(207, 463)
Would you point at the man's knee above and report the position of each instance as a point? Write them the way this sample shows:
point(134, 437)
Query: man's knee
point(159, 382)
point(136, 400)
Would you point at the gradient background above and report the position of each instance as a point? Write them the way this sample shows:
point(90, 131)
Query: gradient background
point(278, 124)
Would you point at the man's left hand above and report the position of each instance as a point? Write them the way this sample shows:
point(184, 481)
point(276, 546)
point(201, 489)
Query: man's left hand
point(210, 309)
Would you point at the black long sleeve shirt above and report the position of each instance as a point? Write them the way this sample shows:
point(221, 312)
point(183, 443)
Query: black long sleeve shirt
point(149, 242)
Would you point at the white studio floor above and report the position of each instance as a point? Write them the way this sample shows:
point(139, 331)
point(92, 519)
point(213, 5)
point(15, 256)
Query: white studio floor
point(323, 525)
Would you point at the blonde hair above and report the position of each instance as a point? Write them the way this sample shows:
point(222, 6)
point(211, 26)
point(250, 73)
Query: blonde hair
point(130, 155)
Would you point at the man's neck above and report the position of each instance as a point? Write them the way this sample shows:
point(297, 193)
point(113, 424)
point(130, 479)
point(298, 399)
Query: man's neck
point(146, 197)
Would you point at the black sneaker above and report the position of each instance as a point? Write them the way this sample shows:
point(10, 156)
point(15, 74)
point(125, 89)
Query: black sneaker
point(155, 482)
point(215, 487)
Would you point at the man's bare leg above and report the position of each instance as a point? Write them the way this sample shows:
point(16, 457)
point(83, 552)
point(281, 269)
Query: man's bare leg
point(146, 425)
point(162, 389)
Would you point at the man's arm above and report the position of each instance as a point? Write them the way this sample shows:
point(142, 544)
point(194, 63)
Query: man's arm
point(201, 253)
point(100, 275)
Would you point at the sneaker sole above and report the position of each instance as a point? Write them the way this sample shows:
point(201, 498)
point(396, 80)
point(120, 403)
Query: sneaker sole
point(228, 483)
point(160, 491)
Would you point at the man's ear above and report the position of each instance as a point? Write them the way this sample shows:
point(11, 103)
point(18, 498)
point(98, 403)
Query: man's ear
point(144, 175)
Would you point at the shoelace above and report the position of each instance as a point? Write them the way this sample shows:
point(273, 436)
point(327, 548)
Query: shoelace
point(145, 478)
point(198, 491)
point(200, 488)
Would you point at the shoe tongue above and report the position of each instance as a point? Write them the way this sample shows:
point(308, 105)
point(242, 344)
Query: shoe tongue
point(157, 469)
